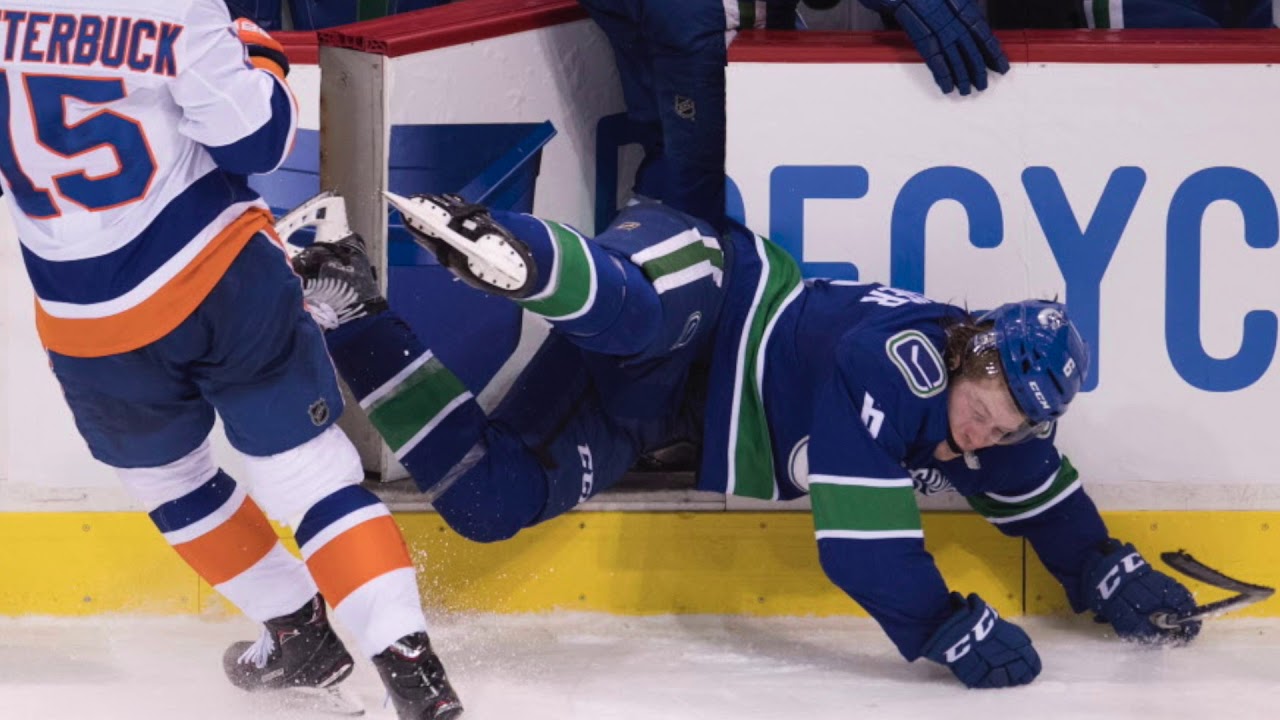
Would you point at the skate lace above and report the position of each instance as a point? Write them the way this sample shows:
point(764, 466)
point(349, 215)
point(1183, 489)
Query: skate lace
point(332, 302)
point(324, 315)
point(259, 653)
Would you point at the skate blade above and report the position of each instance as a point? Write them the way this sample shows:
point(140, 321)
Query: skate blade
point(332, 700)
point(490, 258)
point(326, 212)
point(329, 701)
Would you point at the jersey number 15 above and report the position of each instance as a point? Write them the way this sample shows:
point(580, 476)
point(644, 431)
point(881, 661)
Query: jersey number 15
point(48, 96)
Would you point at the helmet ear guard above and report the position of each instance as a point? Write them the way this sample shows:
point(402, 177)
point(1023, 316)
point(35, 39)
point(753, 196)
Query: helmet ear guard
point(1042, 355)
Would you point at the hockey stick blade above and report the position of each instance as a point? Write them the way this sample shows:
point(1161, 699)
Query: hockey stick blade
point(1183, 562)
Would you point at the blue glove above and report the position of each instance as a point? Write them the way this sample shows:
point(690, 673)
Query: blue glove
point(1124, 590)
point(981, 648)
point(952, 37)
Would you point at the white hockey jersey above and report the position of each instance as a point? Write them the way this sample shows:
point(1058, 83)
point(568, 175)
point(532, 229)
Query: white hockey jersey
point(132, 125)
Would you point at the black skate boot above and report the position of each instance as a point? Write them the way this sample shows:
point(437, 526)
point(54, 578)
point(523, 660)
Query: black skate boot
point(299, 650)
point(338, 283)
point(416, 681)
point(467, 240)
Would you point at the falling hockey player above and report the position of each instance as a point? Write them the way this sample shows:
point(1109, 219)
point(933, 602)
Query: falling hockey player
point(858, 395)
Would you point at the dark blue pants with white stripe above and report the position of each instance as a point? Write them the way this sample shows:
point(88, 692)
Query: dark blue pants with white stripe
point(600, 379)
point(1174, 14)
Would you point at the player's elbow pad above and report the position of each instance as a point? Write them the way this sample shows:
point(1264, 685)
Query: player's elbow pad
point(265, 148)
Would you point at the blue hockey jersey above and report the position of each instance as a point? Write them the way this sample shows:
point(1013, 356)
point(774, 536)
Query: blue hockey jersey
point(839, 390)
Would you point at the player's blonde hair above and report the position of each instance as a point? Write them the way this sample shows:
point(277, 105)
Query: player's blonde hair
point(966, 356)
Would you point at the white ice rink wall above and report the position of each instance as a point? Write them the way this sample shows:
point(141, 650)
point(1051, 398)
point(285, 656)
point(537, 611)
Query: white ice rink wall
point(1133, 177)
point(1137, 186)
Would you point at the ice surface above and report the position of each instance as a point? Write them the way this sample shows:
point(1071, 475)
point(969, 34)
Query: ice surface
point(593, 667)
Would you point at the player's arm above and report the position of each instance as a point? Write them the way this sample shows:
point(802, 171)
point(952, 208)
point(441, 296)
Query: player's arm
point(232, 90)
point(1054, 513)
point(871, 542)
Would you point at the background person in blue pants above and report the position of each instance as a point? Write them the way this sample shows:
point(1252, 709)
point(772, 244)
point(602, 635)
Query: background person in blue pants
point(671, 56)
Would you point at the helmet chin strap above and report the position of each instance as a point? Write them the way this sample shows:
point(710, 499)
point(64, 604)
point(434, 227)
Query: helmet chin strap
point(970, 459)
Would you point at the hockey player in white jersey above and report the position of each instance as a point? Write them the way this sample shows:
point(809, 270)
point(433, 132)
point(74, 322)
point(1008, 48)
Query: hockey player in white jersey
point(163, 299)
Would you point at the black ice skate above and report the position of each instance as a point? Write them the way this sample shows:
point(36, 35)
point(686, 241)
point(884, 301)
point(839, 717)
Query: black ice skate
point(338, 282)
point(465, 239)
point(299, 650)
point(416, 681)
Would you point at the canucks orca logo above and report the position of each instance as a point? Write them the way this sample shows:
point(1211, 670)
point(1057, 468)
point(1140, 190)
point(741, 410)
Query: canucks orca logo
point(918, 361)
point(930, 481)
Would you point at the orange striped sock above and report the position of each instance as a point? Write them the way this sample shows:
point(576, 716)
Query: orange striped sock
point(225, 537)
point(359, 560)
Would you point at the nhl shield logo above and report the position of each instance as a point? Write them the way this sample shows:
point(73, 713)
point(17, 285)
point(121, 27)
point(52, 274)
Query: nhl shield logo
point(319, 412)
point(685, 107)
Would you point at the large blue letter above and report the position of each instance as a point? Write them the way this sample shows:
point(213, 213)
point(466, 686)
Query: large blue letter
point(1083, 257)
point(911, 210)
point(789, 187)
point(1182, 280)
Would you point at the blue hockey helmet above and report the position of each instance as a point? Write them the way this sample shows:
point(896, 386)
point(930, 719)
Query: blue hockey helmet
point(1045, 361)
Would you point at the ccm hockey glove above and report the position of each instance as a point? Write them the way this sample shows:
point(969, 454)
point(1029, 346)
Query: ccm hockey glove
point(981, 648)
point(1124, 590)
point(953, 38)
point(264, 51)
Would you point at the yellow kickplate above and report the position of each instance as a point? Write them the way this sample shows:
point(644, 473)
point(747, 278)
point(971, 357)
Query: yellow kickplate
point(617, 562)
point(644, 563)
point(90, 563)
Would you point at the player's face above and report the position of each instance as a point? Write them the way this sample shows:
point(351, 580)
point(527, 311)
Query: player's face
point(982, 413)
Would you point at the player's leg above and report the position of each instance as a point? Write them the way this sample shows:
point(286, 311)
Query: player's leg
point(266, 13)
point(548, 444)
point(271, 379)
point(688, 55)
point(633, 291)
point(621, 25)
point(1159, 14)
point(140, 415)
point(430, 420)
point(522, 479)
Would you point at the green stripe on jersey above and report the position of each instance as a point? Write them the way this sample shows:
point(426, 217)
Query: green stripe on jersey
point(997, 510)
point(1101, 14)
point(751, 446)
point(573, 286)
point(864, 509)
point(415, 403)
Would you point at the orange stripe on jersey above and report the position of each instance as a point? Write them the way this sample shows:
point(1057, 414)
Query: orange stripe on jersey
point(271, 66)
point(365, 552)
point(159, 314)
point(231, 548)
